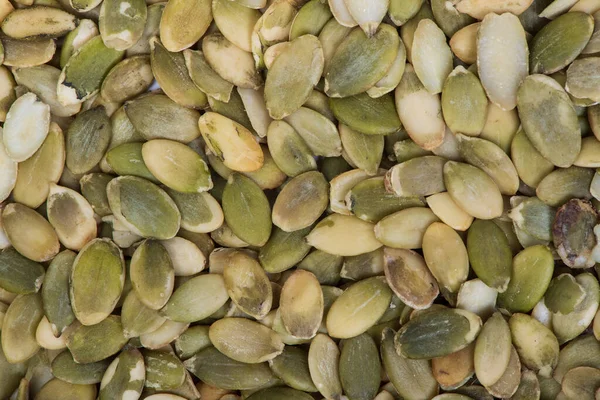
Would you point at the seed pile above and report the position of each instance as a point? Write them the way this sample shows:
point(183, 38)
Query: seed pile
point(299, 199)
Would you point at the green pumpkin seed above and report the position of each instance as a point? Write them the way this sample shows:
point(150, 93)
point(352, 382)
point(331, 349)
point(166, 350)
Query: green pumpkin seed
point(502, 58)
point(464, 102)
point(372, 55)
point(406, 179)
point(323, 364)
point(158, 117)
point(216, 369)
point(205, 77)
point(534, 217)
point(367, 14)
point(563, 294)
point(319, 133)
point(408, 276)
point(125, 376)
point(509, 382)
point(289, 151)
point(18, 274)
point(449, 18)
point(363, 266)
point(326, 267)
point(284, 250)
point(558, 43)
point(563, 184)
point(126, 159)
point(537, 346)
point(400, 12)
point(19, 326)
point(87, 140)
point(55, 291)
point(449, 212)
point(192, 341)
point(66, 369)
point(367, 115)
point(500, 126)
point(393, 76)
point(454, 329)
point(343, 235)
point(120, 30)
point(71, 216)
point(182, 24)
point(242, 194)
point(405, 229)
point(363, 303)
point(360, 368)
point(301, 304)
point(531, 166)
point(97, 342)
point(364, 151)
point(291, 366)
point(83, 74)
point(73, 41)
point(152, 274)
point(284, 96)
point(163, 370)
point(583, 351)
point(67, 391)
point(492, 350)
point(490, 254)
point(247, 285)
point(196, 299)
point(581, 79)
point(236, 22)
point(25, 53)
point(431, 56)
point(572, 233)
point(333, 33)
point(143, 207)
point(164, 335)
point(39, 21)
point(129, 78)
point(137, 319)
point(97, 280)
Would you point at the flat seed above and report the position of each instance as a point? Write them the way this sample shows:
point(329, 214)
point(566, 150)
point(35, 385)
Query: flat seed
point(27, 53)
point(552, 49)
point(18, 329)
point(569, 326)
point(562, 184)
point(343, 235)
point(301, 304)
point(192, 341)
point(235, 21)
point(291, 367)
point(39, 21)
point(367, 115)
point(537, 346)
point(341, 13)
point(419, 111)
point(333, 33)
point(137, 319)
point(492, 350)
point(473, 190)
point(531, 166)
point(82, 76)
point(449, 212)
point(164, 335)
point(205, 77)
point(284, 95)
point(29, 232)
point(406, 179)
point(242, 194)
point(485, 239)
point(301, 202)
point(129, 78)
point(372, 55)
point(97, 342)
point(216, 369)
point(26, 127)
point(582, 351)
point(581, 79)
point(502, 58)
point(152, 274)
point(158, 117)
point(319, 133)
point(393, 76)
point(247, 285)
point(220, 53)
point(534, 217)
point(363, 266)
point(509, 382)
point(581, 382)
point(563, 294)
point(163, 370)
point(500, 126)
point(120, 30)
point(464, 102)
point(126, 159)
point(453, 370)
point(87, 140)
point(367, 14)
point(477, 297)
point(360, 368)
point(533, 109)
point(370, 201)
point(340, 186)
point(143, 207)
point(124, 376)
point(407, 149)
point(413, 378)
point(289, 151)
point(71, 216)
point(67, 391)
point(449, 18)
point(196, 299)
point(431, 56)
point(73, 41)
point(572, 233)
point(363, 303)
point(464, 43)
point(454, 329)
point(37, 173)
point(400, 12)
point(323, 364)
point(588, 156)
point(200, 212)
point(408, 276)
point(529, 387)
point(256, 109)
point(446, 256)
point(405, 229)
point(55, 291)
point(66, 369)
point(284, 250)
point(97, 280)
point(183, 23)
point(326, 267)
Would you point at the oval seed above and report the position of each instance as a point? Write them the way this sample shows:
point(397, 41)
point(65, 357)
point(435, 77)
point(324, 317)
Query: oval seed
point(319, 133)
point(55, 292)
point(492, 350)
point(152, 274)
point(464, 43)
point(358, 308)
point(247, 285)
point(367, 14)
point(431, 56)
point(366, 114)
point(18, 329)
point(284, 250)
point(26, 127)
point(67, 391)
point(323, 364)
point(120, 30)
point(454, 369)
point(531, 166)
point(490, 255)
point(464, 102)
point(405, 229)
point(124, 375)
point(163, 370)
point(291, 367)
point(71, 216)
point(301, 202)
point(200, 212)
point(205, 77)
point(18, 274)
point(40, 21)
point(343, 235)
point(509, 382)
point(449, 212)
point(301, 305)
point(407, 178)
point(164, 335)
point(537, 346)
point(289, 151)
point(137, 319)
point(360, 368)
point(562, 184)
point(87, 140)
point(128, 79)
point(97, 280)
point(182, 23)
point(235, 21)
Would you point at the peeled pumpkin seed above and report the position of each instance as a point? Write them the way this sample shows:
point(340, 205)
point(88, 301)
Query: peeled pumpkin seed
point(18, 329)
point(164, 335)
point(126, 159)
point(583, 351)
point(407, 178)
point(453, 370)
point(364, 151)
point(65, 368)
point(449, 212)
point(27, 53)
point(124, 375)
point(373, 56)
point(537, 346)
point(55, 292)
point(464, 43)
point(152, 274)
point(454, 329)
point(291, 366)
point(360, 369)
point(502, 58)
point(87, 139)
point(26, 127)
point(492, 350)
point(319, 133)
point(301, 304)
point(40, 21)
point(323, 364)
point(163, 370)
point(509, 382)
point(563, 294)
point(552, 48)
point(196, 299)
point(431, 56)
point(533, 217)
point(127, 79)
point(204, 77)
point(68, 391)
point(63, 204)
point(405, 229)
point(122, 29)
point(343, 235)
point(562, 184)
point(97, 342)
point(284, 250)
point(7, 94)
point(464, 102)
point(326, 267)
point(183, 23)
point(216, 369)
point(137, 319)
point(531, 166)
point(449, 18)
point(367, 115)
